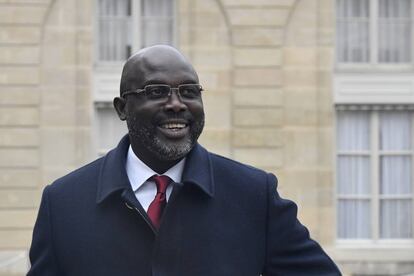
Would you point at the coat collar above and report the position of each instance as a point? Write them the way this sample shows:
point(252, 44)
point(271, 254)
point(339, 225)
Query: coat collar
point(113, 176)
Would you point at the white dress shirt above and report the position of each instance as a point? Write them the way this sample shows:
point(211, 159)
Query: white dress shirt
point(139, 173)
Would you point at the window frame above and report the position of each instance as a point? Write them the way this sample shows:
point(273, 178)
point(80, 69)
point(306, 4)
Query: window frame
point(374, 153)
point(373, 64)
point(136, 32)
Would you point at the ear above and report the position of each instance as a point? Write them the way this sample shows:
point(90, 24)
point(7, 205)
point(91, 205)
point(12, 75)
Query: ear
point(120, 106)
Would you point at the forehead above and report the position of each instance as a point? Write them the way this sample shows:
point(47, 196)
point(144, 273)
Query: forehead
point(165, 68)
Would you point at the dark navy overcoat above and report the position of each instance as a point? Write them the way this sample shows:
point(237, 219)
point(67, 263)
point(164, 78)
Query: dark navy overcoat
point(224, 218)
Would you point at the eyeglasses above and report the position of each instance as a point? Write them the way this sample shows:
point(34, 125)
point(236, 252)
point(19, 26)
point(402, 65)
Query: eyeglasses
point(160, 92)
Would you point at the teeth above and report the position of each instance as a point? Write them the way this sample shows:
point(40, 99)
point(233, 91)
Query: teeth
point(173, 126)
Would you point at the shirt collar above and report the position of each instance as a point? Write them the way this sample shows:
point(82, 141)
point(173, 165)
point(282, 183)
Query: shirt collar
point(198, 171)
point(138, 172)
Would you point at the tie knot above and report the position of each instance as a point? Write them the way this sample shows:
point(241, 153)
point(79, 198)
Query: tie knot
point(162, 182)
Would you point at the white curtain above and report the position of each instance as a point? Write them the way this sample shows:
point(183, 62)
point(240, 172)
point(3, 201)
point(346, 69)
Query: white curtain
point(353, 31)
point(115, 33)
point(353, 175)
point(395, 182)
point(394, 31)
point(157, 22)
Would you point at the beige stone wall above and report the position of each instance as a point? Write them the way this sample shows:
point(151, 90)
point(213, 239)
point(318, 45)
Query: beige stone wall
point(20, 165)
point(45, 110)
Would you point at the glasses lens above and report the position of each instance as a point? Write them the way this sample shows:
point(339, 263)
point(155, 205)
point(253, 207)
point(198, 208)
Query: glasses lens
point(189, 91)
point(156, 91)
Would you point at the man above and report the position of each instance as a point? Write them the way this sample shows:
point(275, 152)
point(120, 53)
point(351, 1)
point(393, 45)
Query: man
point(206, 215)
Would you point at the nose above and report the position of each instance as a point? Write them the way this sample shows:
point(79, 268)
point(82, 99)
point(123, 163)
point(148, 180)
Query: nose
point(174, 102)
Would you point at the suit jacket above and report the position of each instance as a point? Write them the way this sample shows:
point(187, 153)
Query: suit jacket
point(224, 218)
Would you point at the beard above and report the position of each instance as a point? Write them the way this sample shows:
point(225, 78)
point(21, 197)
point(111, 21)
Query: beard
point(146, 134)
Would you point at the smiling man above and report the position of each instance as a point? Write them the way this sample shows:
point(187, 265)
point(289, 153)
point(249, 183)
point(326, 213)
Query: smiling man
point(160, 204)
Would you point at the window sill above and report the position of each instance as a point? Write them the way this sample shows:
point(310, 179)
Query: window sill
point(384, 250)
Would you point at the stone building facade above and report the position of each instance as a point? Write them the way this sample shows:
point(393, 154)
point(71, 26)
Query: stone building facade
point(267, 67)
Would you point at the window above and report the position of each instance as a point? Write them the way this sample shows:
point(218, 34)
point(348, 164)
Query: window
point(109, 128)
point(125, 26)
point(375, 173)
point(374, 31)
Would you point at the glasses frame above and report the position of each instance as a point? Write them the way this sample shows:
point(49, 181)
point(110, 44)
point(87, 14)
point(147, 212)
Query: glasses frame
point(140, 91)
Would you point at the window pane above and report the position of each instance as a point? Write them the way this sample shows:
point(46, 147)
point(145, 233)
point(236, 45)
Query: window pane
point(395, 175)
point(110, 128)
point(157, 22)
point(353, 131)
point(354, 175)
point(395, 130)
point(354, 219)
point(114, 25)
point(396, 219)
point(353, 30)
point(394, 31)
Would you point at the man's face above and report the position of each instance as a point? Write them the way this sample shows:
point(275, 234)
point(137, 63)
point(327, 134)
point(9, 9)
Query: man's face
point(166, 130)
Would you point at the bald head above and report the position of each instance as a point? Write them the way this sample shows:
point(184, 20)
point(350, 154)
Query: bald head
point(156, 64)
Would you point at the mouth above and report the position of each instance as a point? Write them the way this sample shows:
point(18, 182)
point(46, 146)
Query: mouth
point(174, 129)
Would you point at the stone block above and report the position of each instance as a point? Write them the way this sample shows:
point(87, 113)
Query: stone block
point(31, 2)
point(14, 137)
point(59, 141)
point(19, 157)
point(84, 146)
point(301, 147)
point(22, 14)
point(263, 137)
point(14, 239)
point(259, 157)
point(212, 58)
point(205, 6)
point(257, 57)
point(275, 17)
point(20, 35)
point(59, 76)
point(217, 107)
point(259, 3)
point(327, 149)
point(84, 11)
point(254, 117)
point(209, 37)
point(19, 95)
point(215, 80)
point(209, 19)
point(326, 58)
point(19, 178)
point(59, 115)
point(301, 107)
point(19, 75)
point(17, 219)
point(19, 55)
point(19, 199)
point(258, 97)
point(300, 57)
point(19, 116)
point(258, 77)
point(257, 36)
point(300, 78)
point(217, 140)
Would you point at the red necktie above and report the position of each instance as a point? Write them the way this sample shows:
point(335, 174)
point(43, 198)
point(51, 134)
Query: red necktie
point(157, 205)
